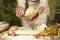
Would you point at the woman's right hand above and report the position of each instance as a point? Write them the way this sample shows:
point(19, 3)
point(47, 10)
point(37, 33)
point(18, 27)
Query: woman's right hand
point(19, 12)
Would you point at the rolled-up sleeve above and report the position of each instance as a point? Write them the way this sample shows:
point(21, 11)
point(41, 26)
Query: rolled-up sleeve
point(43, 3)
point(21, 3)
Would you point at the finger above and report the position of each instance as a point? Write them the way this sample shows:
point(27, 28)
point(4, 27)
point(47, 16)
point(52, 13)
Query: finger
point(22, 13)
point(18, 12)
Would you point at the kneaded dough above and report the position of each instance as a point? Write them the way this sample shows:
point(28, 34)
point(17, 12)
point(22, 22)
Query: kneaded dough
point(30, 12)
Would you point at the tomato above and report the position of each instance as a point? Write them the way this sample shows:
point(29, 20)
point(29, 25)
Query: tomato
point(13, 33)
point(36, 35)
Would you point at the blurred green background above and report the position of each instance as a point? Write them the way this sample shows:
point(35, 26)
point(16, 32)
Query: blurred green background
point(7, 11)
point(57, 11)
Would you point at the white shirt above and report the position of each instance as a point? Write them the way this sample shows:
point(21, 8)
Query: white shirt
point(41, 3)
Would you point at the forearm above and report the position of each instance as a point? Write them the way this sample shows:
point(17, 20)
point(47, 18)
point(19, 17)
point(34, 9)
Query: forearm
point(40, 11)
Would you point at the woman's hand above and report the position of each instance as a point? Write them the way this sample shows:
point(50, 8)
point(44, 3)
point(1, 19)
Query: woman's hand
point(20, 11)
point(31, 21)
point(40, 11)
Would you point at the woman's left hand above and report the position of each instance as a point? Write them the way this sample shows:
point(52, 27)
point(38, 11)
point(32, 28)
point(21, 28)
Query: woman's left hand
point(31, 21)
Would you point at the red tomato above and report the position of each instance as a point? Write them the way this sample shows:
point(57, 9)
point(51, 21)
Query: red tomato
point(36, 35)
point(13, 33)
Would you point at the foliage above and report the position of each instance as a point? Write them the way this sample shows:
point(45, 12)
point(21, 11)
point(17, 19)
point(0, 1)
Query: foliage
point(7, 12)
point(52, 5)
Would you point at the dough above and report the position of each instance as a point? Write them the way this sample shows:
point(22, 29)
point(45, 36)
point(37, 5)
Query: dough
point(30, 12)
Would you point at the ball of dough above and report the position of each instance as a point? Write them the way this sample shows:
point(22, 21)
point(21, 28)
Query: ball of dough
point(30, 12)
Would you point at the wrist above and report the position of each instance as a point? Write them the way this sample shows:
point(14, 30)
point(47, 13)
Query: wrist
point(35, 17)
point(20, 7)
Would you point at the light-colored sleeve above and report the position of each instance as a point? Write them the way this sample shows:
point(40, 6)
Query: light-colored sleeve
point(21, 3)
point(43, 3)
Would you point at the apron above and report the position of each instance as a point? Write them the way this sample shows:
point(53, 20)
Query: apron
point(42, 19)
